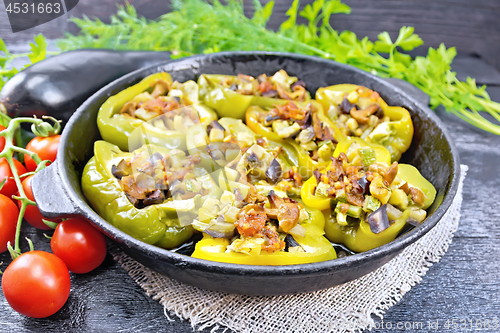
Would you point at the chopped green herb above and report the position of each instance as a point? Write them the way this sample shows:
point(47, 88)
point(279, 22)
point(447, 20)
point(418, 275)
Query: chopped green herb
point(371, 204)
point(367, 155)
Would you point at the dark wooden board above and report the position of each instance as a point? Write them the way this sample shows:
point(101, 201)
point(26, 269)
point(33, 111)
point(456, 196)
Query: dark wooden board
point(465, 284)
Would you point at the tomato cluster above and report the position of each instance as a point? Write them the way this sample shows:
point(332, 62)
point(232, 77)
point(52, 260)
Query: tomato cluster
point(37, 283)
point(46, 149)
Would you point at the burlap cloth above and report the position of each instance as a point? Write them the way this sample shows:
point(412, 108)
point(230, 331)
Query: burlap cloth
point(345, 308)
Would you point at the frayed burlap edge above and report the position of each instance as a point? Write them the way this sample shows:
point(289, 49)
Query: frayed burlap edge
point(345, 308)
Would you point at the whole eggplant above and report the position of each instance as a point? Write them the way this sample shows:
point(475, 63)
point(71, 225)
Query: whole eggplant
point(57, 86)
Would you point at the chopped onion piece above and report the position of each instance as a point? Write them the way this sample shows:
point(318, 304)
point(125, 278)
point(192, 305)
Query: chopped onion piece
point(298, 231)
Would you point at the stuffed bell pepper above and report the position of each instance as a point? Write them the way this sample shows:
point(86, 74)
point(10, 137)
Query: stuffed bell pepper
point(361, 112)
point(261, 230)
point(366, 201)
point(152, 194)
point(154, 111)
point(231, 95)
point(303, 126)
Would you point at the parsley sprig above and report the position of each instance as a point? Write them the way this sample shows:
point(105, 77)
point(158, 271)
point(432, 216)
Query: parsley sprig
point(199, 26)
point(38, 51)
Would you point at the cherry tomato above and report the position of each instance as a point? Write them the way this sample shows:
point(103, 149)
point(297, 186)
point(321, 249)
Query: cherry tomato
point(8, 222)
point(45, 148)
point(32, 214)
point(9, 188)
point(2, 139)
point(36, 284)
point(81, 246)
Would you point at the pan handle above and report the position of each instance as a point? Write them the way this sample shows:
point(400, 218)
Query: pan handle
point(50, 196)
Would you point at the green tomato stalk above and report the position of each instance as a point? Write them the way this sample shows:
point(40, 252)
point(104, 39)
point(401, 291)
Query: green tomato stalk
point(40, 128)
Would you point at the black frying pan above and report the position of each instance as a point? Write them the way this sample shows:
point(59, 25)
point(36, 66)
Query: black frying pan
point(58, 193)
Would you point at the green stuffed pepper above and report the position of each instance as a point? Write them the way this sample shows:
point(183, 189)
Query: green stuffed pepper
point(231, 95)
point(361, 112)
point(151, 194)
point(154, 111)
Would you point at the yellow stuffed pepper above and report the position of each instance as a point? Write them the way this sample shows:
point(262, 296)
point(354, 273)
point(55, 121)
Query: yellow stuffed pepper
point(361, 112)
point(366, 201)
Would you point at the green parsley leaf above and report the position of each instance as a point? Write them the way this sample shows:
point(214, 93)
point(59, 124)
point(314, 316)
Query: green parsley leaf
point(38, 49)
point(407, 40)
point(292, 16)
point(262, 14)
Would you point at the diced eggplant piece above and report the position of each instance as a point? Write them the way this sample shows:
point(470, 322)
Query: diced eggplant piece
point(310, 146)
point(118, 173)
point(365, 184)
point(134, 201)
point(399, 199)
point(217, 234)
point(306, 121)
point(155, 157)
point(274, 171)
point(291, 245)
point(145, 115)
point(270, 93)
point(290, 241)
point(325, 152)
point(318, 176)
point(217, 155)
point(154, 198)
point(257, 150)
point(299, 83)
point(269, 119)
point(251, 160)
point(215, 124)
point(378, 220)
point(121, 170)
point(346, 106)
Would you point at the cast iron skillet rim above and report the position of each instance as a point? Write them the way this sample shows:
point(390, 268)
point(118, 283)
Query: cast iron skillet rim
point(324, 267)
